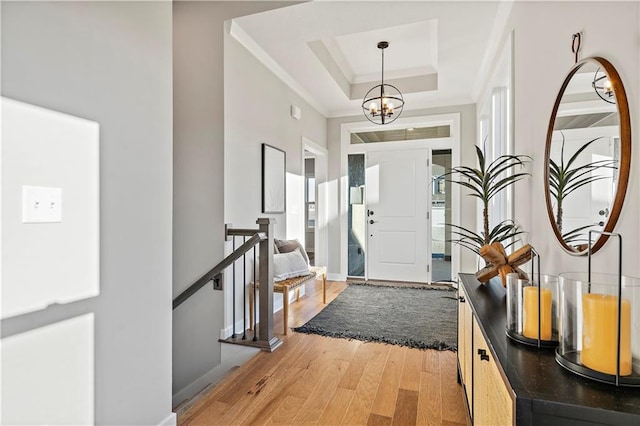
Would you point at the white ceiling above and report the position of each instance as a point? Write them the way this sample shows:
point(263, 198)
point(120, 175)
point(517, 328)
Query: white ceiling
point(414, 54)
point(327, 51)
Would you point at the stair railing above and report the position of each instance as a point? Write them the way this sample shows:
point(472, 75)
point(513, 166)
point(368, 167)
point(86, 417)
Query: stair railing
point(263, 239)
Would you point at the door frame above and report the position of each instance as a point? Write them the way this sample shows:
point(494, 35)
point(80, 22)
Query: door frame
point(321, 243)
point(452, 143)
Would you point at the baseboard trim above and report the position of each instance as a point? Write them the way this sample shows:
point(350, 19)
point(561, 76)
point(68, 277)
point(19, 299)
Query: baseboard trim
point(231, 357)
point(336, 277)
point(189, 391)
point(171, 420)
point(225, 333)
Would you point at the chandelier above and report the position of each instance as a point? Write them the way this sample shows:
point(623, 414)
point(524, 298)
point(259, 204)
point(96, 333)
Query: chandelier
point(603, 87)
point(383, 103)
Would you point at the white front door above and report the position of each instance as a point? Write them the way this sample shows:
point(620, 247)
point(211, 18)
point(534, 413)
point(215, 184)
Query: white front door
point(397, 186)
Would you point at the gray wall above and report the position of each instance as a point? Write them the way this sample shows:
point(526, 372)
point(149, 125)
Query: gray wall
point(467, 156)
point(257, 110)
point(110, 62)
point(198, 219)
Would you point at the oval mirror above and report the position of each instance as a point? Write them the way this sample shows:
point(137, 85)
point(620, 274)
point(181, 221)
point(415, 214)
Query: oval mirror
point(587, 155)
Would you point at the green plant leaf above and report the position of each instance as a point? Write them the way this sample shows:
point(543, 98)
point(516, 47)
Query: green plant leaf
point(564, 179)
point(484, 182)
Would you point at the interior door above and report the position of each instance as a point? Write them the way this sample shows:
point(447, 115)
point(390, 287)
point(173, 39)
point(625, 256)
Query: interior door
point(397, 223)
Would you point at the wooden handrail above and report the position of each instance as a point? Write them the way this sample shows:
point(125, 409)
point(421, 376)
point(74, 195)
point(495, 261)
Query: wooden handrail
point(233, 232)
point(263, 236)
point(256, 238)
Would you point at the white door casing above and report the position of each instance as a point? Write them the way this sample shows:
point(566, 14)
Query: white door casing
point(397, 226)
point(338, 189)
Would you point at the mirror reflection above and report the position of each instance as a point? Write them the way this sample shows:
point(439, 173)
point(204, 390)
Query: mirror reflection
point(584, 156)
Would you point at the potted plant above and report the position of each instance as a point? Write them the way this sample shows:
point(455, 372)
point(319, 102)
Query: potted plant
point(567, 177)
point(485, 182)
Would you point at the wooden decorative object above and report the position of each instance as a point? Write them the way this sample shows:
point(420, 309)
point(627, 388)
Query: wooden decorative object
point(499, 263)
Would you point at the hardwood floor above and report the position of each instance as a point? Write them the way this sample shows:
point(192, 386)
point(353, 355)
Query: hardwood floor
point(320, 380)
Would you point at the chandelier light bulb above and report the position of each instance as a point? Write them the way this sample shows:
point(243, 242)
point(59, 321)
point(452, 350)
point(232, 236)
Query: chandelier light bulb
point(373, 108)
point(608, 87)
point(603, 87)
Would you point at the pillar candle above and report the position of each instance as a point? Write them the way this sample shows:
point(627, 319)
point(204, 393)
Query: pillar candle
point(599, 334)
point(530, 314)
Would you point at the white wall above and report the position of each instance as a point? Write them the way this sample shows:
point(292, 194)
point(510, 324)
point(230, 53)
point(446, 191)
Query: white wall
point(198, 161)
point(467, 156)
point(258, 110)
point(110, 62)
point(50, 169)
point(542, 36)
point(56, 388)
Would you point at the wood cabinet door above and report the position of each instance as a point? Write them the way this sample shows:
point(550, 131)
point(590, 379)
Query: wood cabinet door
point(492, 401)
point(465, 347)
point(461, 333)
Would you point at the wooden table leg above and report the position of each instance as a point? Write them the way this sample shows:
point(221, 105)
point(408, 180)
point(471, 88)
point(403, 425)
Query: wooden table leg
point(324, 288)
point(285, 309)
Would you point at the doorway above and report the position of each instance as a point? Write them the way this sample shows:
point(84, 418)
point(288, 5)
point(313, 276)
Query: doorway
point(310, 206)
point(314, 218)
point(397, 202)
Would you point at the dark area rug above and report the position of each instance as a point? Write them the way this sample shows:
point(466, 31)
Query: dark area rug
point(422, 318)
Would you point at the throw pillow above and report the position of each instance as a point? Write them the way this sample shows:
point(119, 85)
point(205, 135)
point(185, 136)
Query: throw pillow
point(286, 246)
point(289, 265)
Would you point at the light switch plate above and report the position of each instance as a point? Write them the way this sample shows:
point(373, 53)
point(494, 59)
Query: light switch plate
point(41, 204)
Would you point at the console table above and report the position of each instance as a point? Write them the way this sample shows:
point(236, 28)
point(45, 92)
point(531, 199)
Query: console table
point(530, 388)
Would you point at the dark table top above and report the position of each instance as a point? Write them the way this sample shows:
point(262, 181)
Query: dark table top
point(546, 393)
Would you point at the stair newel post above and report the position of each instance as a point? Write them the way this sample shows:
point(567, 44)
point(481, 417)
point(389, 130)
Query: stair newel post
point(265, 330)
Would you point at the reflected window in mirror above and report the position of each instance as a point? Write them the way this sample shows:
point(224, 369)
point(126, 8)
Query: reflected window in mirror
point(587, 155)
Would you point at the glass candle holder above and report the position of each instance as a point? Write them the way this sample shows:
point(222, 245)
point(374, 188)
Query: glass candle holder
point(600, 327)
point(532, 310)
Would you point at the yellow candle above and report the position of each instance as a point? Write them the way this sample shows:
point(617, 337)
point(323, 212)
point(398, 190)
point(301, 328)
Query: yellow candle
point(530, 313)
point(600, 337)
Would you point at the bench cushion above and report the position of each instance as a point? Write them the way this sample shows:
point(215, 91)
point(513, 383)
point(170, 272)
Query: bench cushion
point(289, 265)
point(286, 246)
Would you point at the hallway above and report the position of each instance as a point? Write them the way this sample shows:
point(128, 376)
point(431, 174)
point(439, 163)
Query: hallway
point(318, 380)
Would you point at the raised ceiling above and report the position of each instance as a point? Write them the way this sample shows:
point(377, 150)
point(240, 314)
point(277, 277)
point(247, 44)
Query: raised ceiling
point(327, 51)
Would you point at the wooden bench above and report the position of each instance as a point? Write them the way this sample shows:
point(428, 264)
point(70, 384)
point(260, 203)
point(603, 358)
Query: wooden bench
point(287, 285)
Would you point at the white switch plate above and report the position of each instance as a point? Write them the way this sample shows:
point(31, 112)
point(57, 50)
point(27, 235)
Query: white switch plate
point(41, 204)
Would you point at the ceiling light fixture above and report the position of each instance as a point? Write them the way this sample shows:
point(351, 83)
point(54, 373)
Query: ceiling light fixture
point(603, 87)
point(383, 103)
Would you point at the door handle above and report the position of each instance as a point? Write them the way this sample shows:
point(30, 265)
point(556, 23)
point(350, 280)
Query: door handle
point(461, 299)
point(372, 221)
point(483, 355)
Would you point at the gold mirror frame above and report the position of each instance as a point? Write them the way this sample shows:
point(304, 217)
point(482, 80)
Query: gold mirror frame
point(625, 153)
